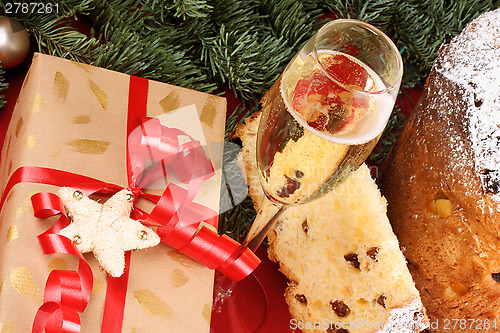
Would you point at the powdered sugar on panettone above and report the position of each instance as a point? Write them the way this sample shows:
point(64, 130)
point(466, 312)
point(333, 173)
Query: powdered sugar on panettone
point(473, 63)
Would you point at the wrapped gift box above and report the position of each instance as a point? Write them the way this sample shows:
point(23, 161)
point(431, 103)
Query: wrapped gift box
point(73, 117)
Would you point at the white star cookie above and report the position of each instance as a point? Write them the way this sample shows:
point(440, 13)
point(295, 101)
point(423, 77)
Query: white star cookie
point(105, 229)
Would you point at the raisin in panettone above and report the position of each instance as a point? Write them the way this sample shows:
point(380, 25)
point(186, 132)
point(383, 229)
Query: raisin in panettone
point(344, 264)
point(442, 181)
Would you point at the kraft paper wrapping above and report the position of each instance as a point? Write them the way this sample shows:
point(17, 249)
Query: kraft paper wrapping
point(73, 117)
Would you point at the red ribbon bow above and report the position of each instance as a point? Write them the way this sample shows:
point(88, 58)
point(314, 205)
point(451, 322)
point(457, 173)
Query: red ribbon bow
point(153, 152)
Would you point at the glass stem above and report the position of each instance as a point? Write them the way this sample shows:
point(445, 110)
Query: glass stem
point(225, 288)
point(252, 241)
point(255, 237)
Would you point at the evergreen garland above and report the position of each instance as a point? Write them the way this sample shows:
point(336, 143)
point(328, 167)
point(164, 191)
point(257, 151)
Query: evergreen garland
point(418, 27)
point(243, 45)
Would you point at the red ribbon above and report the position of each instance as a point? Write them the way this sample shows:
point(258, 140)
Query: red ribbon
point(153, 151)
point(66, 292)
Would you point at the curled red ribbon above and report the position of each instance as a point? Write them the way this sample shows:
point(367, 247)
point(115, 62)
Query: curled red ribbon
point(66, 292)
point(153, 152)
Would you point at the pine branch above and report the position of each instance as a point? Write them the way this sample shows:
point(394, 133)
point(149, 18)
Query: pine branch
point(237, 222)
point(73, 7)
point(237, 15)
point(236, 207)
point(238, 116)
point(190, 8)
point(377, 12)
point(192, 37)
point(248, 63)
point(54, 35)
point(293, 21)
point(132, 48)
point(420, 39)
point(417, 34)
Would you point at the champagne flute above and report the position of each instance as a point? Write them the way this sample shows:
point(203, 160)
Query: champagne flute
point(322, 118)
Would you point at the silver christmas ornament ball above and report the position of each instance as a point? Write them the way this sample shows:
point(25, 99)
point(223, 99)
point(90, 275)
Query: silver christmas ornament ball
point(14, 42)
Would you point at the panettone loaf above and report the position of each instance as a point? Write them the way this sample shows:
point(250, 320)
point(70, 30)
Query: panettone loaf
point(346, 272)
point(442, 183)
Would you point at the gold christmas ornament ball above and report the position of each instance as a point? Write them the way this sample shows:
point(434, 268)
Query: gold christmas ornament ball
point(14, 42)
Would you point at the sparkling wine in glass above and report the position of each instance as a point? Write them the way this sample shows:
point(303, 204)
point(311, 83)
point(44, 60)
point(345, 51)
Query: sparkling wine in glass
point(322, 118)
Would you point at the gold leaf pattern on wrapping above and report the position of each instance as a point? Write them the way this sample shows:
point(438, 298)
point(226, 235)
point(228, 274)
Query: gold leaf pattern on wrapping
point(90, 147)
point(55, 153)
point(1, 288)
point(152, 304)
point(207, 313)
point(81, 120)
point(38, 104)
point(181, 259)
point(7, 146)
point(31, 142)
point(138, 330)
point(22, 280)
point(101, 96)
point(85, 67)
point(12, 233)
point(209, 111)
point(7, 327)
point(170, 102)
point(96, 289)
point(19, 212)
point(58, 264)
point(19, 126)
point(179, 278)
point(61, 86)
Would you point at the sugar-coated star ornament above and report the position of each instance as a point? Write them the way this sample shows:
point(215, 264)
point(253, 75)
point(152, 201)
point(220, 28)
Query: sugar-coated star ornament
point(105, 229)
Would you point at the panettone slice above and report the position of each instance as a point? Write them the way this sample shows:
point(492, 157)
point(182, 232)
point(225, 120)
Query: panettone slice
point(346, 271)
